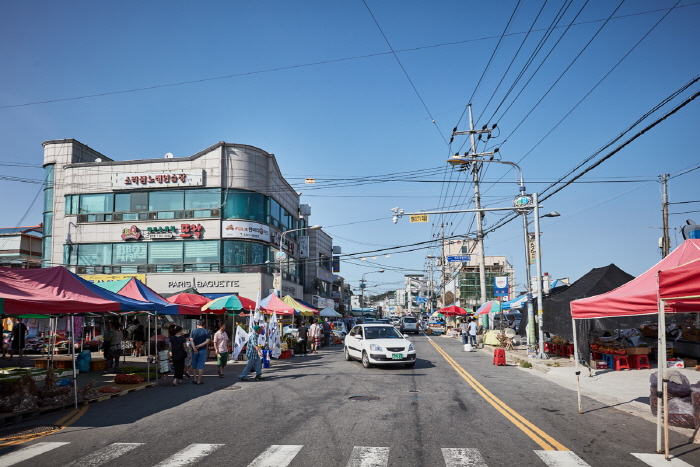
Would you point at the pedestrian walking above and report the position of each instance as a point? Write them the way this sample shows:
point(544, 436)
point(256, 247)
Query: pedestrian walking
point(19, 331)
point(302, 339)
point(178, 353)
point(199, 338)
point(464, 328)
point(139, 339)
point(115, 348)
point(221, 348)
point(326, 333)
point(472, 331)
point(254, 354)
point(315, 333)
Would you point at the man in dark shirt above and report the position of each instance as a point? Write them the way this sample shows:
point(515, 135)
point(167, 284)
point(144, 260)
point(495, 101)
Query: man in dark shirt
point(19, 330)
point(326, 333)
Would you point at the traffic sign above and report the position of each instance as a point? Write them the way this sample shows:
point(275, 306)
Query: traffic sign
point(458, 258)
point(421, 299)
point(419, 218)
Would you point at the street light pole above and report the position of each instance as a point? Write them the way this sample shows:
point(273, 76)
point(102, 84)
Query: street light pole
point(281, 256)
point(542, 355)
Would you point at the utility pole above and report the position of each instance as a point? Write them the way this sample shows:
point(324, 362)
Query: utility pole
point(477, 199)
point(665, 241)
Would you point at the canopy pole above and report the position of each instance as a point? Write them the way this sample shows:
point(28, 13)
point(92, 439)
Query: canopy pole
point(661, 372)
point(578, 372)
point(148, 351)
point(75, 376)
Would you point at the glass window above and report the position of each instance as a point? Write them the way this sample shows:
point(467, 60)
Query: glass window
point(49, 169)
point(257, 253)
point(122, 202)
point(130, 253)
point(235, 253)
point(48, 199)
point(139, 202)
point(275, 211)
point(165, 253)
point(70, 255)
point(71, 204)
point(95, 254)
point(202, 252)
point(90, 204)
point(46, 252)
point(48, 223)
point(244, 205)
point(166, 215)
point(171, 200)
point(202, 199)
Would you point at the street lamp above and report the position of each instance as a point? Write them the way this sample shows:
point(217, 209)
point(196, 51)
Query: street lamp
point(281, 256)
point(362, 287)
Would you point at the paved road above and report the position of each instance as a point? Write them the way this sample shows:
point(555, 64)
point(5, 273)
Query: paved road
point(452, 409)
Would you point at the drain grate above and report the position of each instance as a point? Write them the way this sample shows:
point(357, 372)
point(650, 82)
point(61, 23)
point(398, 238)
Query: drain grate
point(364, 398)
point(9, 433)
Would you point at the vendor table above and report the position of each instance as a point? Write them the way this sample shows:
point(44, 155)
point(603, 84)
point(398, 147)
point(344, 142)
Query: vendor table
point(58, 362)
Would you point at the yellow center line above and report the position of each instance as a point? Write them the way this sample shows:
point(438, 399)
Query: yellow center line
point(62, 423)
point(537, 435)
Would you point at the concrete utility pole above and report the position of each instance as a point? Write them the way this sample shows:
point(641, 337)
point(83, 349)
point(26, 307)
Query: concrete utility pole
point(479, 214)
point(666, 240)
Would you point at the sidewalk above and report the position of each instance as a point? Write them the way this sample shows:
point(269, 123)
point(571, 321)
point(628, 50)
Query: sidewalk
point(626, 390)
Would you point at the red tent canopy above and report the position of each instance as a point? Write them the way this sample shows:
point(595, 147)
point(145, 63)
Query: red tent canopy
point(452, 311)
point(272, 303)
point(680, 286)
point(189, 299)
point(640, 295)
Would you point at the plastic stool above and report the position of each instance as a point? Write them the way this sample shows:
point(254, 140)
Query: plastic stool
point(499, 357)
point(639, 361)
point(621, 362)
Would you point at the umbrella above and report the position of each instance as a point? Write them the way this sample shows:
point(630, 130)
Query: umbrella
point(489, 307)
point(225, 303)
point(189, 299)
point(453, 310)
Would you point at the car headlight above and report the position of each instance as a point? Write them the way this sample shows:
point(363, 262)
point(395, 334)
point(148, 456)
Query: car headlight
point(376, 348)
point(411, 347)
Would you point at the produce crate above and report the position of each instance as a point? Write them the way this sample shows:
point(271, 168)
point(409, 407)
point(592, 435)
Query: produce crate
point(97, 364)
point(286, 354)
point(638, 350)
point(601, 365)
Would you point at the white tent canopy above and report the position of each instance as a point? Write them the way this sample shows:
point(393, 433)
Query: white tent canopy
point(329, 312)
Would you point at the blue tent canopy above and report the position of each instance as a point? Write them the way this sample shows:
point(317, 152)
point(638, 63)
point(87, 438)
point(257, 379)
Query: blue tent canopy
point(515, 303)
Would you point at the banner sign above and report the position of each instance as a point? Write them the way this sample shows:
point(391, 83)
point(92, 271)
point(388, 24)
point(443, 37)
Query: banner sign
point(336, 264)
point(158, 179)
point(458, 258)
point(243, 229)
point(500, 286)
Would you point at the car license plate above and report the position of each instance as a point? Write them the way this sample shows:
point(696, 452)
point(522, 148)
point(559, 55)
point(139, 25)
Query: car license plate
point(396, 356)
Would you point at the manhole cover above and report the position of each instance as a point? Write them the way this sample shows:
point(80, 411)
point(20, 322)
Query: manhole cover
point(364, 398)
point(8, 433)
point(227, 388)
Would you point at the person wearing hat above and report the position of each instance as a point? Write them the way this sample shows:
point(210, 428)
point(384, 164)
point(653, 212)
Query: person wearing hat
point(199, 340)
point(254, 354)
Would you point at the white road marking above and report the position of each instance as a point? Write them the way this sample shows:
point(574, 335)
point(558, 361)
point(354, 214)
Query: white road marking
point(29, 452)
point(190, 455)
point(463, 457)
point(367, 456)
point(104, 455)
point(561, 459)
point(277, 455)
point(655, 460)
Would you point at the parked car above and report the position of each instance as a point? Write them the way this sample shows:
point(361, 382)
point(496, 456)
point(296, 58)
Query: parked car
point(409, 324)
point(290, 331)
point(395, 321)
point(379, 344)
point(383, 321)
point(340, 334)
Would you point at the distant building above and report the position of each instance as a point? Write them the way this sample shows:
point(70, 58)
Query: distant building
point(20, 247)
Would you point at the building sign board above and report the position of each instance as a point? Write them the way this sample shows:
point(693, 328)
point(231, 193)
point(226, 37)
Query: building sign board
point(419, 218)
point(244, 229)
point(158, 179)
point(336, 264)
point(163, 231)
point(500, 286)
point(245, 284)
point(458, 258)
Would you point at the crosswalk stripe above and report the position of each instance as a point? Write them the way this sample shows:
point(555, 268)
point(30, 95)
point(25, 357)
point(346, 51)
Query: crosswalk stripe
point(463, 457)
point(29, 452)
point(561, 459)
point(655, 460)
point(190, 455)
point(277, 455)
point(367, 456)
point(104, 455)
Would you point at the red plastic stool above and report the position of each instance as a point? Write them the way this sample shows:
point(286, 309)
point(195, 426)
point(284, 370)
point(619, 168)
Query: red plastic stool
point(621, 362)
point(499, 357)
point(639, 361)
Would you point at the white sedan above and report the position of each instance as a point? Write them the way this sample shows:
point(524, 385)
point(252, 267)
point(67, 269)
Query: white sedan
point(379, 344)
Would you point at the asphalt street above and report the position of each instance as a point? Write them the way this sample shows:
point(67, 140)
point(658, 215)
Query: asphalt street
point(452, 409)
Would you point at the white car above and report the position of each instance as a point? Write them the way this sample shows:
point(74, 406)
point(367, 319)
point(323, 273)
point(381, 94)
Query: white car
point(409, 324)
point(379, 344)
point(291, 330)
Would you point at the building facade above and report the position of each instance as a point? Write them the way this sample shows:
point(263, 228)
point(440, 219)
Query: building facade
point(212, 221)
point(20, 247)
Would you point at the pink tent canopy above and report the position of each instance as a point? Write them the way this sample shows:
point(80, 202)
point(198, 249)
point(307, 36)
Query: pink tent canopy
point(189, 299)
point(679, 287)
point(639, 296)
point(272, 303)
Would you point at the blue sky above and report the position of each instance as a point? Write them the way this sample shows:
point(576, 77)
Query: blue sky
point(317, 84)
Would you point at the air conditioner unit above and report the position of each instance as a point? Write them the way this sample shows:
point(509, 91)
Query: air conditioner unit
point(82, 218)
point(80, 270)
point(117, 216)
point(216, 212)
